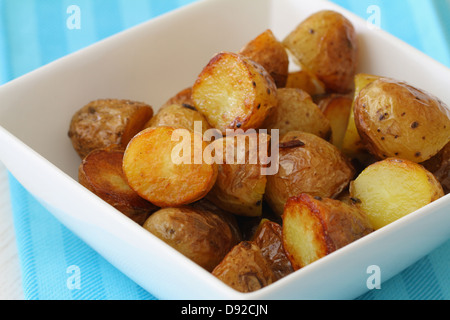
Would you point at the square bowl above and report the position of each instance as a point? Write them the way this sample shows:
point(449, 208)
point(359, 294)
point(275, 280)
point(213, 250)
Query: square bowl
point(150, 63)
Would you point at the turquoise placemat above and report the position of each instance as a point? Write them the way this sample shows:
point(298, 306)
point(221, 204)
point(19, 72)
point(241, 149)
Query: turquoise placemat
point(36, 32)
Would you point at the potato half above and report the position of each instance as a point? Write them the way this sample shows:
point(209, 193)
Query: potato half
point(326, 45)
point(101, 172)
point(165, 166)
point(305, 81)
point(314, 227)
point(395, 119)
point(244, 268)
point(106, 122)
point(296, 111)
point(270, 53)
point(393, 188)
point(199, 234)
point(308, 164)
point(233, 92)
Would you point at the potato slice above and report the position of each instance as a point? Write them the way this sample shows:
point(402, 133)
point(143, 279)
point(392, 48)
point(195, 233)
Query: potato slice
point(233, 92)
point(270, 53)
point(305, 81)
point(240, 184)
point(165, 171)
point(308, 164)
point(101, 173)
point(102, 123)
point(395, 119)
point(268, 237)
point(296, 111)
point(244, 268)
point(314, 227)
point(326, 45)
point(337, 108)
point(180, 116)
point(439, 166)
point(393, 188)
point(200, 234)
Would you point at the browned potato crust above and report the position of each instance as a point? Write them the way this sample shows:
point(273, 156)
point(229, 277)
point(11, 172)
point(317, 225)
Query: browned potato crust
point(395, 119)
point(240, 185)
point(439, 166)
point(326, 44)
point(270, 53)
point(151, 171)
point(245, 269)
point(102, 123)
point(269, 239)
point(393, 188)
point(234, 92)
point(101, 172)
point(296, 111)
point(180, 116)
point(314, 227)
point(305, 81)
point(199, 234)
point(308, 164)
point(184, 97)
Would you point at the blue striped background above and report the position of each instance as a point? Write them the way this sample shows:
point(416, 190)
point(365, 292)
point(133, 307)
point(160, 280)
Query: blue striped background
point(34, 33)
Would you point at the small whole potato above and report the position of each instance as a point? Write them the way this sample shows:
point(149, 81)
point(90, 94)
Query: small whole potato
point(106, 122)
point(395, 119)
point(326, 44)
point(307, 164)
point(199, 234)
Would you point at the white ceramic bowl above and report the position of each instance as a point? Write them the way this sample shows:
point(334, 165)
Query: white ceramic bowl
point(150, 63)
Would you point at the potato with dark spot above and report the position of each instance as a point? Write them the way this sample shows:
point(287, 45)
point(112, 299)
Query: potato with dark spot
point(326, 44)
point(395, 119)
point(198, 233)
point(308, 164)
point(183, 97)
point(245, 269)
point(267, 51)
point(296, 111)
point(102, 123)
point(439, 166)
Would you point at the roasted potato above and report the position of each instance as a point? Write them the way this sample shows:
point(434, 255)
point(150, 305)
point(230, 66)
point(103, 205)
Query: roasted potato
point(234, 92)
point(199, 234)
point(241, 182)
point(439, 166)
point(101, 173)
point(395, 119)
point(245, 269)
point(393, 188)
point(154, 168)
point(180, 116)
point(337, 108)
point(270, 53)
point(305, 81)
point(297, 112)
point(326, 44)
point(307, 164)
point(314, 227)
point(102, 123)
point(183, 97)
point(269, 238)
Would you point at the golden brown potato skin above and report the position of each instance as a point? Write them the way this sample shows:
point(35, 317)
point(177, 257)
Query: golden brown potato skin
point(183, 97)
point(105, 122)
point(180, 116)
point(101, 172)
point(244, 268)
point(305, 81)
point(240, 187)
point(270, 53)
point(439, 165)
point(326, 44)
point(308, 164)
point(395, 119)
point(314, 227)
point(199, 234)
point(296, 111)
point(269, 238)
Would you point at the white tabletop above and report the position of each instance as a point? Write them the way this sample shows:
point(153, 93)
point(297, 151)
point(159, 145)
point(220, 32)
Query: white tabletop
point(10, 274)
